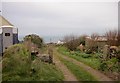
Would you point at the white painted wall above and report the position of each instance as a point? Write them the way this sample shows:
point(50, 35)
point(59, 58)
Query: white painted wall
point(15, 30)
point(7, 40)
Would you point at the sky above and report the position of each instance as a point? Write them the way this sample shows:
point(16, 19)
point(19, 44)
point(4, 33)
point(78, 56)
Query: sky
point(61, 17)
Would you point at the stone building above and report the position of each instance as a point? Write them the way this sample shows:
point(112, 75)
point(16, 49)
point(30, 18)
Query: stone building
point(100, 42)
point(8, 34)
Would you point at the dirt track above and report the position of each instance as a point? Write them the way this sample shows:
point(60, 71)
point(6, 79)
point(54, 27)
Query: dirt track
point(95, 73)
point(67, 73)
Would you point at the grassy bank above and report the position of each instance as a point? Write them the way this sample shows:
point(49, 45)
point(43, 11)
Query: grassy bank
point(18, 66)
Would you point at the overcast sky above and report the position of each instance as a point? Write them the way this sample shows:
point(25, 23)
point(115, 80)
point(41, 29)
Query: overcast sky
point(61, 18)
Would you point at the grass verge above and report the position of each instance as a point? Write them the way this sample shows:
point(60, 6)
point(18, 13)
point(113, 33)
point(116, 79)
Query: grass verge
point(88, 59)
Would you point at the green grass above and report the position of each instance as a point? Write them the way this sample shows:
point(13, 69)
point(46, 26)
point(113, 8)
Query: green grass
point(91, 60)
point(79, 72)
point(45, 72)
point(17, 66)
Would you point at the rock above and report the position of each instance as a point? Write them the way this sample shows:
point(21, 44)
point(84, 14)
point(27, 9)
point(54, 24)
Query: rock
point(46, 58)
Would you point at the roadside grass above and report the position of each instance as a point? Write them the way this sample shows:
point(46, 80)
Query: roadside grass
point(110, 67)
point(46, 72)
point(80, 73)
point(17, 66)
point(88, 59)
point(92, 62)
point(42, 72)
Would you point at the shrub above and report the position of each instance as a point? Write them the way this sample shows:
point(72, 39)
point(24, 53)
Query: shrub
point(103, 66)
point(86, 55)
point(88, 51)
point(71, 42)
point(110, 65)
point(34, 39)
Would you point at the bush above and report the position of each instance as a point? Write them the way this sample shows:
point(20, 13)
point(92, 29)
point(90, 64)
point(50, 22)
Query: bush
point(34, 39)
point(110, 65)
point(103, 66)
point(86, 55)
point(71, 42)
point(88, 51)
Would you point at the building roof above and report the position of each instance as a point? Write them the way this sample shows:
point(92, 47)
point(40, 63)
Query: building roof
point(99, 38)
point(4, 22)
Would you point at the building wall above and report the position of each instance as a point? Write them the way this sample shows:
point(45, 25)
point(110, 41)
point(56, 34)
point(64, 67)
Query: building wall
point(15, 39)
point(88, 42)
point(100, 44)
point(7, 40)
point(15, 36)
point(1, 44)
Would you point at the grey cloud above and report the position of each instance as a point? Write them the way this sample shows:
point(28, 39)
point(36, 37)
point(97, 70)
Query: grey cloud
point(61, 18)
